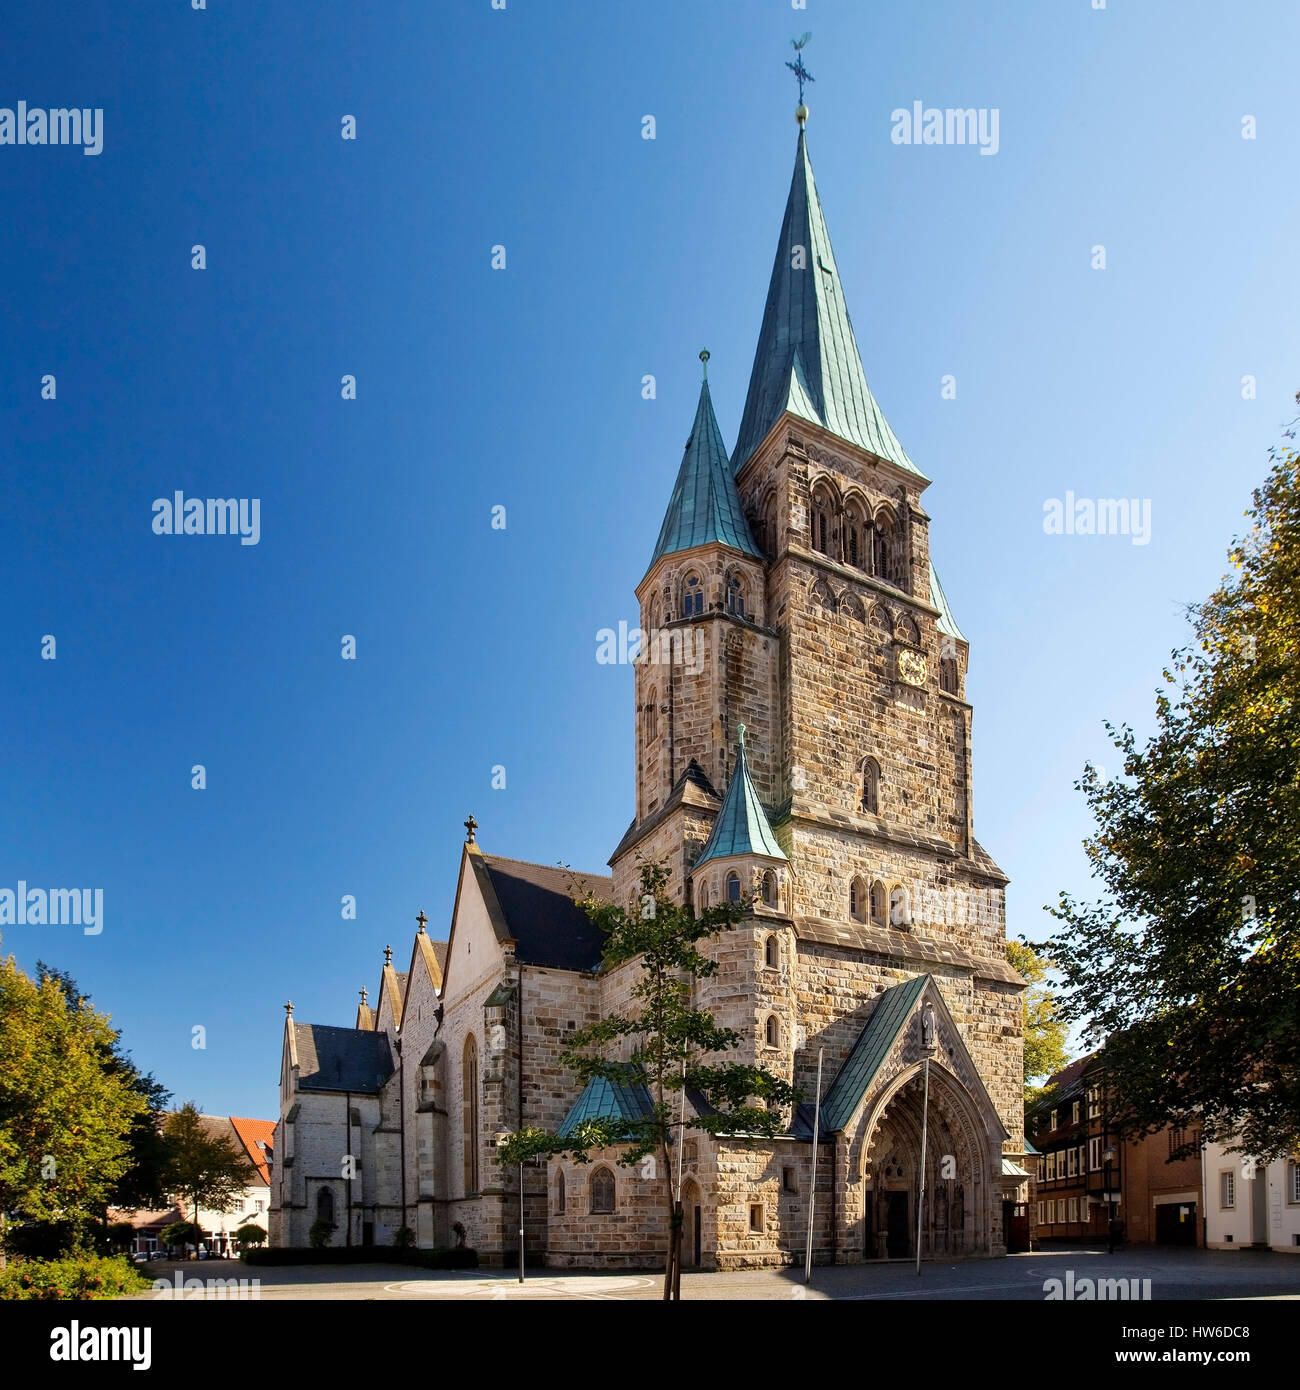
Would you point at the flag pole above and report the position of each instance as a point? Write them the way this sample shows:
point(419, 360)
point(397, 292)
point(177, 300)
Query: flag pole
point(812, 1192)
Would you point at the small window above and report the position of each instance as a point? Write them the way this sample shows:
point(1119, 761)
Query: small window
point(757, 1217)
point(1293, 1182)
point(733, 888)
point(871, 787)
point(325, 1205)
point(1052, 1125)
point(773, 1031)
point(1074, 1210)
point(948, 676)
point(1227, 1189)
point(602, 1192)
point(1074, 1113)
point(1072, 1163)
point(704, 895)
point(692, 597)
point(652, 716)
point(858, 900)
point(878, 903)
point(772, 952)
point(559, 1190)
point(1094, 1154)
point(900, 908)
point(735, 597)
point(789, 1180)
point(769, 891)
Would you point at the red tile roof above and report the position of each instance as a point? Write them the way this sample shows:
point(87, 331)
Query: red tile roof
point(249, 1132)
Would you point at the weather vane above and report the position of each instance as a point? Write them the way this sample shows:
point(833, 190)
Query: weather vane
point(797, 66)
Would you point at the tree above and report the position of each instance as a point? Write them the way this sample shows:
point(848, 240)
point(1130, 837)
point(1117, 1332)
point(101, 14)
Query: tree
point(180, 1233)
point(65, 1119)
point(1044, 1030)
point(250, 1234)
point(664, 1045)
point(204, 1167)
point(144, 1183)
point(1188, 966)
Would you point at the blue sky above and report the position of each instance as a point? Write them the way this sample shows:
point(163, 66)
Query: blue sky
point(522, 388)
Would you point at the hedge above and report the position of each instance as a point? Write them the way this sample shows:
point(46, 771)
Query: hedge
point(455, 1258)
point(76, 1277)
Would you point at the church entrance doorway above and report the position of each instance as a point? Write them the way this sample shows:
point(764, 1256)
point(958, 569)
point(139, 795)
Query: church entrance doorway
point(898, 1239)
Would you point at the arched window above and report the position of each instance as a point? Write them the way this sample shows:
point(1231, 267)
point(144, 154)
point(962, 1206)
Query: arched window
point(692, 596)
point(855, 535)
point(704, 894)
point(823, 513)
point(735, 596)
point(769, 891)
point(733, 887)
point(900, 908)
point(325, 1205)
point(858, 900)
point(772, 1031)
point(906, 631)
point(871, 787)
point(652, 715)
point(948, 676)
point(878, 903)
point(890, 561)
point(559, 1190)
point(771, 539)
point(469, 1114)
point(602, 1192)
point(772, 952)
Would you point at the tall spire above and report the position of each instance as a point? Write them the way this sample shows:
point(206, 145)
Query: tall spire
point(704, 506)
point(807, 361)
point(742, 826)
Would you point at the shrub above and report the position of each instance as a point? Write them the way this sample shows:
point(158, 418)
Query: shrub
point(250, 1234)
point(404, 1239)
point(77, 1277)
point(320, 1234)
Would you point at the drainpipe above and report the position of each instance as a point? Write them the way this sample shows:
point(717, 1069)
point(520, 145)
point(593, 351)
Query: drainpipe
point(347, 1115)
point(401, 1121)
point(519, 1068)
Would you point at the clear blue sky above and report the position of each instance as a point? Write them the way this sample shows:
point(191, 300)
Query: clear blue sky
point(521, 387)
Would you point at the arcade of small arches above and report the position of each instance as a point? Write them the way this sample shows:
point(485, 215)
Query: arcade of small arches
point(851, 532)
point(764, 886)
point(686, 594)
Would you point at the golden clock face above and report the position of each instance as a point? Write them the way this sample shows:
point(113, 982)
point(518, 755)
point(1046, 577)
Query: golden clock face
point(911, 668)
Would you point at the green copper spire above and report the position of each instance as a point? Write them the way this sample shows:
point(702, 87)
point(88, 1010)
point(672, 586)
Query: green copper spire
point(947, 623)
point(742, 826)
point(704, 506)
point(807, 360)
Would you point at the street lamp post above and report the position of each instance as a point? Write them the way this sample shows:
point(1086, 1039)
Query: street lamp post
point(1109, 1156)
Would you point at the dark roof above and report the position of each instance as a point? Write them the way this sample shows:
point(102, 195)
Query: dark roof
point(548, 927)
point(807, 360)
point(892, 1011)
point(341, 1059)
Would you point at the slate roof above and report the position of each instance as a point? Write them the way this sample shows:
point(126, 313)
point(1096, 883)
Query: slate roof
point(704, 506)
point(607, 1100)
point(893, 1009)
point(807, 360)
point(946, 622)
point(341, 1059)
point(548, 927)
point(742, 826)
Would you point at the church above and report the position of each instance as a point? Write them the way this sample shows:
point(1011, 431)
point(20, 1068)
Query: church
point(803, 741)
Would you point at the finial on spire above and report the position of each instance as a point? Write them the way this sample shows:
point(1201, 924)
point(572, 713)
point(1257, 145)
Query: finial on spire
point(288, 1007)
point(471, 825)
point(363, 996)
point(802, 73)
point(740, 736)
point(704, 357)
point(388, 955)
point(422, 919)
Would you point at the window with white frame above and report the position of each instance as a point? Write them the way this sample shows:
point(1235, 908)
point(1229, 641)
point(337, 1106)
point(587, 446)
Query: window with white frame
point(1072, 1163)
point(1041, 1212)
point(1051, 1167)
point(1083, 1158)
point(1293, 1182)
point(1073, 1213)
point(1094, 1102)
point(1094, 1154)
point(1052, 1125)
point(1227, 1188)
point(1074, 1113)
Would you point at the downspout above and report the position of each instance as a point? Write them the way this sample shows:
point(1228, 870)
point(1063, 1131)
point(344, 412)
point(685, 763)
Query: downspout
point(519, 1069)
point(347, 1101)
point(401, 1121)
point(835, 1206)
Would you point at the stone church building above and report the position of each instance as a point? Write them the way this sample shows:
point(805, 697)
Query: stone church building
point(802, 738)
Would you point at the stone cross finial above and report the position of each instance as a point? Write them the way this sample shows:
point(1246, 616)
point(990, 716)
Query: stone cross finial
point(471, 825)
point(363, 995)
point(288, 1006)
point(740, 735)
point(388, 955)
point(422, 919)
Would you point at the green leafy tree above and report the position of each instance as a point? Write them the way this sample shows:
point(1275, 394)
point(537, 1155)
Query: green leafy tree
point(664, 1044)
point(203, 1167)
point(250, 1234)
point(144, 1183)
point(320, 1234)
point(180, 1233)
point(65, 1119)
point(1188, 966)
point(1044, 1029)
